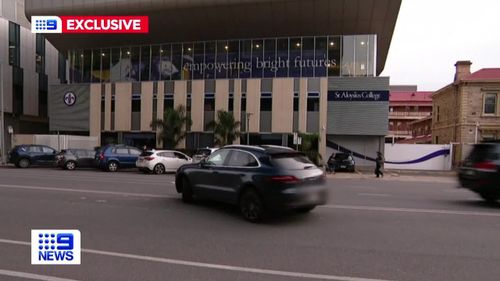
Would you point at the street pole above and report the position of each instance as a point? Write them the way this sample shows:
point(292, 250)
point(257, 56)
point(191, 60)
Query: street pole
point(2, 121)
point(248, 114)
point(475, 135)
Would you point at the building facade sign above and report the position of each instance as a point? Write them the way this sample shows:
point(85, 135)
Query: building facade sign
point(358, 95)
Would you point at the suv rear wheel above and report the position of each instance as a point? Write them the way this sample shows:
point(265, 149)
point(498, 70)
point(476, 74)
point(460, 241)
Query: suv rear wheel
point(23, 163)
point(251, 206)
point(112, 166)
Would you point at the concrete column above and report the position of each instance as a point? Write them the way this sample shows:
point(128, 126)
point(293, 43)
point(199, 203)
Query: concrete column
point(197, 102)
point(107, 107)
point(303, 105)
point(95, 111)
point(237, 105)
point(221, 95)
point(123, 106)
point(146, 106)
point(253, 104)
point(323, 112)
point(282, 114)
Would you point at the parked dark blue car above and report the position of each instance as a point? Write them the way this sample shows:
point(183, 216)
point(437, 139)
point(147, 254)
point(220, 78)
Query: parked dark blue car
point(23, 156)
point(113, 157)
point(259, 179)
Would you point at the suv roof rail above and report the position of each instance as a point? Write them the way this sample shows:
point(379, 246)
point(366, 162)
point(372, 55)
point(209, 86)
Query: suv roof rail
point(244, 146)
point(276, 146)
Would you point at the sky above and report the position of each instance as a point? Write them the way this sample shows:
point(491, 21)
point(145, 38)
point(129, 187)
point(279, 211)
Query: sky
point(432, 35)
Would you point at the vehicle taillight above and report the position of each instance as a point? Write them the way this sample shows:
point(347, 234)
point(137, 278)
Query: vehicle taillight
point(284, 179)
point(149, 158)
point(490, 166)
point(101, 156)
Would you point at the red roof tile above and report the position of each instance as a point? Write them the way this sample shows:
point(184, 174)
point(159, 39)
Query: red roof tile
point(484, 74)
point(410, 97)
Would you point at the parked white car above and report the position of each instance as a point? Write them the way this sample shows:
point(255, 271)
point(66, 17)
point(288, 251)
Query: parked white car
point(161, 161)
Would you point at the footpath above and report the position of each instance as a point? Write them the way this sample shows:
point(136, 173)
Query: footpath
point(400, 175)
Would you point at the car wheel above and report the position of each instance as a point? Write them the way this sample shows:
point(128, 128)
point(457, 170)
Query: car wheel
point(24, 163)
point(305, 209)
point(112, 166)
point(70, 165)
point(159, 169)
point(488, 197)
point(251, 206)
point(187, 191)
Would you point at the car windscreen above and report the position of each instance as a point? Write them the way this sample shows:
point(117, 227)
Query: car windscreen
point(341, 156)
point(482, 152)
point(291, 161)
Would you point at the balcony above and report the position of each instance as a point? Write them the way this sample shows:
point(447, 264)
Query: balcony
point(408, 115)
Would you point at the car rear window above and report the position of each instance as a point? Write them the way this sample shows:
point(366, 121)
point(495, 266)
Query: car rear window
point(341, 156)
point(291, 161)
point(483, 152)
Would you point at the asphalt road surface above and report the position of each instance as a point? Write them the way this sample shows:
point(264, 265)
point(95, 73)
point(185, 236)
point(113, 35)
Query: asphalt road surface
point(135, 227)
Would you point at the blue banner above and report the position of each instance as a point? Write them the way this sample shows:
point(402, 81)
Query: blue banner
point(358, 95)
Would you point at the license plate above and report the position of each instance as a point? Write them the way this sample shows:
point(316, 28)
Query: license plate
point(342, 166)
point(470, 172)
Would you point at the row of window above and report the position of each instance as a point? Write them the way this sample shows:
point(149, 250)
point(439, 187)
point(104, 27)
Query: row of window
point(256, 58)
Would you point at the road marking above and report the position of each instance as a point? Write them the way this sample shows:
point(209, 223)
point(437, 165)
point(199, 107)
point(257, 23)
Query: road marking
point(27, 275)
point(410, 210)
point(85, 191)
point(374, 194)
point(213, 266)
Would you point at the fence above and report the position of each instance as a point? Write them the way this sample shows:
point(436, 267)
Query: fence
point(58, 141)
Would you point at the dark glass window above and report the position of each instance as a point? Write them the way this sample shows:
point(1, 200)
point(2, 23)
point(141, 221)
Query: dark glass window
point(233, 58)
point(168, 102)
point(320, 56)
point(295, 57)
point(230, 103)
point(78, 66)
point(95, 75)
point(221, 64)
point(176, 61)
point(136, 103)
point(87, 65)
point(14, 44)
point(333, 64)
point(307, 57)
point(296, 102)
point(257, 58)
point(105, 65)
point(199, 59)
point(40, 53)
point(282, 57)
point(209, 103)
point(42, 95)
point(188, 103)
point(165, 66)
point(266, 102)
point(243, 102)
point(145, 65)
point(156, 52)
point(313, 102)
point(187, 61)
point(115, 71)
point(270, 64)
point(209, 60)
point(134, 70)
point(17, 90)
point(61, 70)
point(242, 159)
point(245, 66)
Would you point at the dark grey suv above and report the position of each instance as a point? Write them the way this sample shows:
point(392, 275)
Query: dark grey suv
point(259, 179)
point(480, 171)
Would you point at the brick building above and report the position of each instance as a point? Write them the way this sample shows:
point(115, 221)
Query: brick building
point(467, 110)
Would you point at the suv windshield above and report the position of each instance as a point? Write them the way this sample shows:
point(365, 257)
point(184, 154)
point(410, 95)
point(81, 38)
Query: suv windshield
point(291, 161)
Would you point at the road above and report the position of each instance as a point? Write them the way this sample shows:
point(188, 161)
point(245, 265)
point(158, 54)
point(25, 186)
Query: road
point(135, 227)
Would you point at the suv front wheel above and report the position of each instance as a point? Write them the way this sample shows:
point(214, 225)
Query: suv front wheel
point(23, 163)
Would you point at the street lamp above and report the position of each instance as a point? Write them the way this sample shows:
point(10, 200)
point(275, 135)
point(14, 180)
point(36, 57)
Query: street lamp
point(248, 114)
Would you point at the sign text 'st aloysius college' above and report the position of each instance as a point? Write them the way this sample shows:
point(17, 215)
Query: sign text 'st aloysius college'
point(358, 95)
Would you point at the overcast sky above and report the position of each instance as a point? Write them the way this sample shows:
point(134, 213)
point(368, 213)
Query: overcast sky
point(431, 35)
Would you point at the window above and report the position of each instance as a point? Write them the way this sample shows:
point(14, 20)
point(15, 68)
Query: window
point(136, 103)
point(61, 70)
point(242, 159)
point(209, 102)
point(218, 158)
point(230, 102)
point(167, 154)
point(40, 53)
point(296, 102)
point(168, 101)
point(35, 149)
point(313, 102)
point(266, 102)
point(47, 150)
point(121, 151)
point(14, 44)
point(180, 156)
point(105, 63)
point(134, 151)
point(490, 103)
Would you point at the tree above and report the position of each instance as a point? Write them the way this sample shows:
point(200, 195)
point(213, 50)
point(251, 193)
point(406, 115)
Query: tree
point(309, 147)
point(225, 128)
point(172, 126)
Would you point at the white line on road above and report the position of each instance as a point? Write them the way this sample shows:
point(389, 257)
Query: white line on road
point(411, 210)
point(27, 275)
point(84, 191)
point(214, 266)
point(374, 194)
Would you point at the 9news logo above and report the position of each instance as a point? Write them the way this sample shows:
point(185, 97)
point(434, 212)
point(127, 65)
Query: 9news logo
point(46, 24)
point(55, 246)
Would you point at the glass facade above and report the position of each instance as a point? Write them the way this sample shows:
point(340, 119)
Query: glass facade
point(319, 56)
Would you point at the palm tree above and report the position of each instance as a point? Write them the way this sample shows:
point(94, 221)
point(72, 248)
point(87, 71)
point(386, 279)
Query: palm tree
point(173, 126)
point(225, 128)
